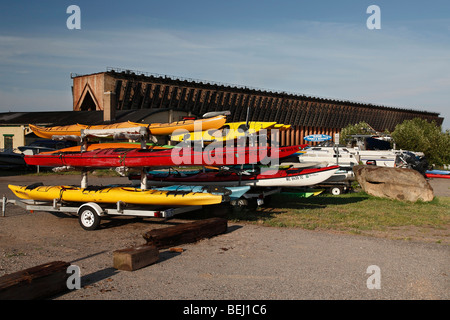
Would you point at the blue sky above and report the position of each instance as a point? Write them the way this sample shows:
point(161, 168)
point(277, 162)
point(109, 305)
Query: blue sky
point(320, 48)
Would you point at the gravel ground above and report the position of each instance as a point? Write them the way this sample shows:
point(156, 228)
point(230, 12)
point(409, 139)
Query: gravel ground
point(248, 262)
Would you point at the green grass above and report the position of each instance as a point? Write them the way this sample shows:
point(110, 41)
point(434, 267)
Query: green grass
point(351, 213)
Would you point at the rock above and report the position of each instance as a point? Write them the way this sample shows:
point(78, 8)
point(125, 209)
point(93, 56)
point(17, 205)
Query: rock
point(393, 183)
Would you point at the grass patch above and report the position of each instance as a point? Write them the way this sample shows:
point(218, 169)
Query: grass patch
point(353, 213)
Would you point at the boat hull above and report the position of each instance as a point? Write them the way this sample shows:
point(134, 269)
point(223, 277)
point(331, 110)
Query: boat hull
point(229, 131)
point(154, 128)
point(441, 174)
point(11, 159)
point(276, 178)
point(122, 157)
point(98, 146)
point(114, 194)
point(188, 125)
point(233, 193)
point(301, 194)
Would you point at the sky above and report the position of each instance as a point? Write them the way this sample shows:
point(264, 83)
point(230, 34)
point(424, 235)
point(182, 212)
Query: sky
point(317, 48)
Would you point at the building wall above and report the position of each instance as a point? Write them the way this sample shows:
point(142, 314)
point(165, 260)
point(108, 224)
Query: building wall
point(93, 85)
point(307, 115)
point(16, 133)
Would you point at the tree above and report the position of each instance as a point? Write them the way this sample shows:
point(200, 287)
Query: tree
point(359, 128)
point(422, 136)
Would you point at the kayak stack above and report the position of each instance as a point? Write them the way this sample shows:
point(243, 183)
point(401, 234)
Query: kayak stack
point(154, 129)
point(441, 174)
point(234, 170)
point(270, 177)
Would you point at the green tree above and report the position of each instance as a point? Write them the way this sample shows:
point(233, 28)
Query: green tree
point(423, 136)
point(351, 129)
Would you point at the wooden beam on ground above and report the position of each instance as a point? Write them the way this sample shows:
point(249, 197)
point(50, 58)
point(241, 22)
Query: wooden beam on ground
point(134, 258)
point(39, 282)
point(186, 233)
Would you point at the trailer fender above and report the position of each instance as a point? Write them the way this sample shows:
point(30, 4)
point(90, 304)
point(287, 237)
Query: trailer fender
point(89, 216)
point(94, 206)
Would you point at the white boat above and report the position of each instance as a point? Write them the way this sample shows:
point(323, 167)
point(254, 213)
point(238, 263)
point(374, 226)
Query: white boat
point(344, 157)
point(382, 158)
point(349, 157)
point(327, 156)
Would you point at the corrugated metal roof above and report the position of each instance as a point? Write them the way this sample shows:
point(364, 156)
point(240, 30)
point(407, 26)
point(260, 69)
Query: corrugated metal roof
point(61, 118)
point(51, 118)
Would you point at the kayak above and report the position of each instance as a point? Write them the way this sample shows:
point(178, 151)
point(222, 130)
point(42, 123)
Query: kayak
point(444, 174)
point(113, 194)
point(229, 131)
point(75, 129)
point(48, 133)
point(233, 193)
point(154, 128)
point(292, 177)
point(189, 125)
point(98, 146)
point(124, 157)
point(300, 194)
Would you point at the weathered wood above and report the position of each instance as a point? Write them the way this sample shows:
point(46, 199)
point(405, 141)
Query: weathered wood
point(134, 258)
point(39, 282)
point(186, 233)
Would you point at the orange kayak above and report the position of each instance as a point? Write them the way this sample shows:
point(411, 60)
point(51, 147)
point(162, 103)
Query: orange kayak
point(188, 125)
point(154, 128)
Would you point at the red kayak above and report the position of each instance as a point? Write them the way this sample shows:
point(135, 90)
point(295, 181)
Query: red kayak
point(118, 157)
point(273, 177)
point(442, 176)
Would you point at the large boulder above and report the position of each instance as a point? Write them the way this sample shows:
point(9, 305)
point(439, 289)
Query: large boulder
point(394, 183)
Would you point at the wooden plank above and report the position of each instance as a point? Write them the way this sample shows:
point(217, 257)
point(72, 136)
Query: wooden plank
point(38, 282)
point(186, 233)
point(134, 258)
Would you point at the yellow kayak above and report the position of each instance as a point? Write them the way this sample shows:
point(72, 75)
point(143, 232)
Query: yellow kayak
point(229, 131)
point(154, 128)
point(113, 194)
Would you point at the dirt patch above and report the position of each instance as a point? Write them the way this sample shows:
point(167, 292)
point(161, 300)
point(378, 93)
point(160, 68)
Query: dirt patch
point(28, 239)
point(248, 262)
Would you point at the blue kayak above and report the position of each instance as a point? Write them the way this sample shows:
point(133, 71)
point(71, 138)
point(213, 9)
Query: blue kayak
point(233, 192)
point(437, 172)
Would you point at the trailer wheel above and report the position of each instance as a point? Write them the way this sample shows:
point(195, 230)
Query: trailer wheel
point(335, 191)
point(88, 218)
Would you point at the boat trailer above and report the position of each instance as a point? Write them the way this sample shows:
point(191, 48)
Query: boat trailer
point(91, 213)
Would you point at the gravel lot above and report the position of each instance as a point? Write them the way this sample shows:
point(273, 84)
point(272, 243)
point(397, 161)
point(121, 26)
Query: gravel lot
point(248, 262)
